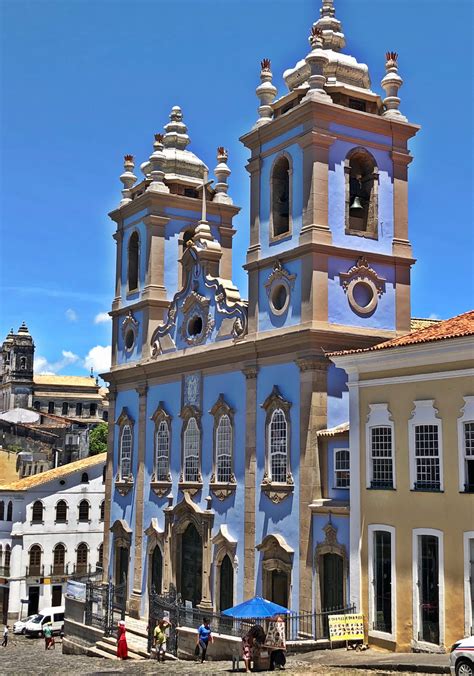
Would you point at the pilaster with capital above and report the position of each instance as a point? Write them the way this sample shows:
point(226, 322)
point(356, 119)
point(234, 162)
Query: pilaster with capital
point(109, 482)
point(206, 599)
point(140, 551)
point(168, 572)
point(250, 371)
point(313, 417)
point(118, 237)
point(315, 145)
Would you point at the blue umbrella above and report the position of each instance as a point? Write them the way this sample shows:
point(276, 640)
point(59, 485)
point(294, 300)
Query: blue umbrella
point(256, 608)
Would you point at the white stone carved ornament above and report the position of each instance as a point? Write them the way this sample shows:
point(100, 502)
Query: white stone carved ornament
point(363, 286)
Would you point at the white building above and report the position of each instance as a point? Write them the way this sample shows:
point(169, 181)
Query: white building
point(51, 527)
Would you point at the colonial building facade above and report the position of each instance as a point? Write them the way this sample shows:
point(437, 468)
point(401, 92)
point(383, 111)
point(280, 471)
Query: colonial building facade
point(228, 462)
point(51, 527)
point(412, 485)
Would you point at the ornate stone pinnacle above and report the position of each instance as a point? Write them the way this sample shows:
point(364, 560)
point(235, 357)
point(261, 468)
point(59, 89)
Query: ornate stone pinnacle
point(157, 167)
point(128, 179)
point(391, 83)
point(176, 131)
point(266, 92)
point(222, 173)
point(333, 37)
point(317, 61)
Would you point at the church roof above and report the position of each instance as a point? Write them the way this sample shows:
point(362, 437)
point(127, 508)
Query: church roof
point(75, 381)
point(56, 473)
point(456, 327)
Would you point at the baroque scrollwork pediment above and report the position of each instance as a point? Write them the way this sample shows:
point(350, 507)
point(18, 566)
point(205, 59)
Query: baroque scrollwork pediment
point(363, 286)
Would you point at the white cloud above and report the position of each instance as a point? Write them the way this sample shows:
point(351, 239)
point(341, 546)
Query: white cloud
point(71, 315)
point(44, 367)
point(433, 315)
point(102, 317)
point(99, 358)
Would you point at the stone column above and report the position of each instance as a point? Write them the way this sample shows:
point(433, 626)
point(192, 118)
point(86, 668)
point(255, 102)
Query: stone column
point(155, 257)
point(118, 237)
point(168, 572)
point(250, 371)
point(253, 167)
point(401, 243)
point(136, 597)
point(206, 599)
point(315, 145)
point(109, 481)
point(313, 417)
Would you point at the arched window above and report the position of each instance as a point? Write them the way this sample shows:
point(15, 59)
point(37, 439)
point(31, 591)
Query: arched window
point(61, 512)
point(100, 558)
point(361, 193)
point(224, 450)
point(278, 446)
point(22, 363)
point(162, 452)
point(84, 478)
point(51, 407)
point(192, 439)
point(125, 463)
point(59, 557)
point(6, 560)
point(35, 560)
point(280, 198)
point(84, 508)
point(81, 558)
point(133, 258)
point(37, 512)
point(10, 511)
point(2, 510)
point(102, 510)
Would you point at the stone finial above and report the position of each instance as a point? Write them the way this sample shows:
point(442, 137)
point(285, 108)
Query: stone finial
point(157, 167)
point(176, 131)
point(333, 37)
point(222, 173)
point(317, 60)
point(266, 92)
point(391, 83)
point(128, 179)
point(23, 328)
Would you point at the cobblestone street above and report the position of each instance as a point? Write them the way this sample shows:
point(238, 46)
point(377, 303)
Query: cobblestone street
point(27, 657)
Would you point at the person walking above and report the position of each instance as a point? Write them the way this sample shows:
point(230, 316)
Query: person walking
point(5, 636)
point(159, 635)
point(47, 633)
point(122, 647)
point(204, 636)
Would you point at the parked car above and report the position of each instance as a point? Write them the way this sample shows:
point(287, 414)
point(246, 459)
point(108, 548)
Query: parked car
point(461, 659)
point(19, 626)
point(54, 615)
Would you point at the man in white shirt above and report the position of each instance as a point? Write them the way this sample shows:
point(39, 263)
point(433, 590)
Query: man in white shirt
point(5, 636)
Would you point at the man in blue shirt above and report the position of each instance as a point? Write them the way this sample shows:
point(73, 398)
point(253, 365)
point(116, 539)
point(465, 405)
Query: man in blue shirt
point(204, 636)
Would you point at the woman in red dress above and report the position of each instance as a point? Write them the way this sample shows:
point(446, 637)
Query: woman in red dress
point(122, 648)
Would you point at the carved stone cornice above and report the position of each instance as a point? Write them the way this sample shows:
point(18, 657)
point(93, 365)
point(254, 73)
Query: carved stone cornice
point(250, 372)
point(222, 490)
point(141, 389)
point(161, 488)
point(124, 486)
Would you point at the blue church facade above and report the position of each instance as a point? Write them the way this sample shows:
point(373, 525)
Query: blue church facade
point(228, 470)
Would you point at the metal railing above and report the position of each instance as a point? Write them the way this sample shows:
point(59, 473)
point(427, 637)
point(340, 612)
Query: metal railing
point(36, 570)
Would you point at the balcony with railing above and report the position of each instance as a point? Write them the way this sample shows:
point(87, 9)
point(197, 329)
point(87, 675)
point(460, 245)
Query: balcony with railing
point(59, 569)
point(35, 570)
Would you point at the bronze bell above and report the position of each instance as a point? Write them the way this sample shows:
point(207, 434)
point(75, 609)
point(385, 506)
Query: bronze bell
point(356, 204)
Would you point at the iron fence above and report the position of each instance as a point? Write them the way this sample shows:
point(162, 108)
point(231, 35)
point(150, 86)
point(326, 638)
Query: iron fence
point(105, 605)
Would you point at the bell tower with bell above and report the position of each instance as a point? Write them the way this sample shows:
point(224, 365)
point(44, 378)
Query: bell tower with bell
point(329, 248)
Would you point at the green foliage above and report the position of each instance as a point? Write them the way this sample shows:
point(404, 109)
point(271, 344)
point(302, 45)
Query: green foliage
point(98, 439)
point(14, 448)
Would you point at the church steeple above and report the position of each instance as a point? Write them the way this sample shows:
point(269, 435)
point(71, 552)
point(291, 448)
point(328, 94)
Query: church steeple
point(333, 37)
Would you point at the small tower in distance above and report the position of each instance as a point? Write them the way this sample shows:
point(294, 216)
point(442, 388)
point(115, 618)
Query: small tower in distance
point(16, 370)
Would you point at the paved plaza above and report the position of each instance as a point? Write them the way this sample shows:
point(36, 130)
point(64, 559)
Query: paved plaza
point(27, 657)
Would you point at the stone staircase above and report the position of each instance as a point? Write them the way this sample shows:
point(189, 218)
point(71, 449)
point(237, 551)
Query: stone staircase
point(137, 641)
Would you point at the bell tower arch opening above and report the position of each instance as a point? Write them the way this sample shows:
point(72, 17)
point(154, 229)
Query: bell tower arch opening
point(280, 198)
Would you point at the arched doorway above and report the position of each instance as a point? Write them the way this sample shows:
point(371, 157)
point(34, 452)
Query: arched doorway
point(122, 557)
point(332, 581)
point(157, 570)
point(191, 565)
point(226, 592)
point(279, 588)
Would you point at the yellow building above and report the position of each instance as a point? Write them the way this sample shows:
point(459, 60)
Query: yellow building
point(412, 485)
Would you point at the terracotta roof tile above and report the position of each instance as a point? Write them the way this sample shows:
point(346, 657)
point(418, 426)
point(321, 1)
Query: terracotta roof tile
point(56, 473)
point(77, 381)
point(456, 327)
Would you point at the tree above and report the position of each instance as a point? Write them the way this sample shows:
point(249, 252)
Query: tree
point(98, 439)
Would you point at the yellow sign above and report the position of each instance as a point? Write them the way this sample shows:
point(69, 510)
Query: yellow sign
point(47, 580)
point(346, 627)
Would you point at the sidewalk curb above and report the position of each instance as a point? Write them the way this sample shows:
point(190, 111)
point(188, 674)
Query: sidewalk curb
point(399, 666)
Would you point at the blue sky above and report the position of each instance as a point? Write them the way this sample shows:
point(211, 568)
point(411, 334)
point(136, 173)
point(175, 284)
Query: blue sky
point(83, 82)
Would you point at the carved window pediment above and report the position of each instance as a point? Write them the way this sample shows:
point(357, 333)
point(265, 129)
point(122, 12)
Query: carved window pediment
point(122, 533)
point(129, 331)
point(277, 481)
point(161, 477)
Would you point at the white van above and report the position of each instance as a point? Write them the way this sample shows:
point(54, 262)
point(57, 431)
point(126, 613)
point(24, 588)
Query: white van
point(54, 615)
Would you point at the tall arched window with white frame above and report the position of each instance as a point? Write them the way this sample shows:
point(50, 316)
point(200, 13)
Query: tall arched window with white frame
point(224, 450)
point(466, 446)
point(278, 447)
point(191, 451)
point(162, 451)
point(125, 462)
